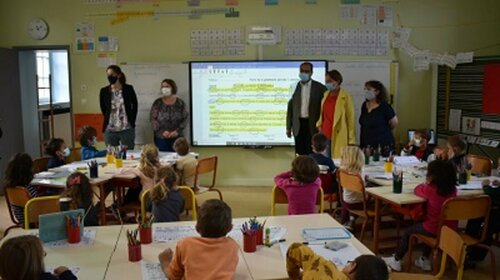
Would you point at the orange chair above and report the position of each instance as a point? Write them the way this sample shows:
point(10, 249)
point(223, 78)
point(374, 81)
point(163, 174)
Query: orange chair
point(120, 185)
point(189, 200)
point(15, 196)
point(38, 206)
point(40, 164)
point(480, 164)
point(206, 166)
point(459, 209)
point(75, 155)
point(279, 197)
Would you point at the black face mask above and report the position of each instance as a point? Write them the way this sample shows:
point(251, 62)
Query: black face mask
point(112, 79)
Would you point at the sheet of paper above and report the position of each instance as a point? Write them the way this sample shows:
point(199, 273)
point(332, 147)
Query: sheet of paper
point(471, 185)
point(490, 125)
point(454, 119)
point(435, 58)
point(421, 61)
point(340, 257)
point(368, 15)
point(74, 269)
point(106, 59)
point(385, 16)
point(449, 60)
point(410, 49)
point(311, 234)
point(88, 238)
point(152, 271)
point(401, 37)
point(465, 57)
point(471, 125)
point(84, 37)
point(406, 160)
point(349, 12)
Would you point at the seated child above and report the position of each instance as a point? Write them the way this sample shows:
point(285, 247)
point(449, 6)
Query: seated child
point(352, 160)
point(19, 173)
point(475, 227)
point(88, 139)
point(419, 145)
point(456, 147)
point(186, 163)
point(211, 256)
point(301, 185)
point(319, 145)
point(167, 200)
point(58, 151)
point(78, 188)
point(440, 186)
point(21, 258)
point(364, 267)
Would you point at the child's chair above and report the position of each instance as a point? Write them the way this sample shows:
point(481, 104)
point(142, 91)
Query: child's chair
point(40, 164)
point(205, 166)
point(330, 187)
point(452, 244)
point(459, 209)
point(279, 197)
point(15, 196)
point(144, 201)
point(38, 206)
point(480, 164)
point(189, 200)
point(75, 155)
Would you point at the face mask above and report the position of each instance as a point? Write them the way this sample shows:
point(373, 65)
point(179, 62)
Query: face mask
point(330, 86)
point(369, 95)
point(166, 91)
point(417, 142)
point(94, 141)
point(66, 152)
point(112, 79)
point(304, 77)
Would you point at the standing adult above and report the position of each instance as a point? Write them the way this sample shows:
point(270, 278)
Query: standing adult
point(377, 119)
point(336, 120)
point(168, 116)
point(119, 108)
point(304, 109)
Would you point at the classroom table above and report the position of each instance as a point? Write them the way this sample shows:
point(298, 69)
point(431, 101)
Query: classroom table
point(265, 263)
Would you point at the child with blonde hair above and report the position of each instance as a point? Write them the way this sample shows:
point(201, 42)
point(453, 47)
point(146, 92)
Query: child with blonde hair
point(301, 185)
point(352, 160)
point(185, 164)
point(167, 200)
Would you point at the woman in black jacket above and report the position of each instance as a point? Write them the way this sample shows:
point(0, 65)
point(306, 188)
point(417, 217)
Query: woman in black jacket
point(119, 108)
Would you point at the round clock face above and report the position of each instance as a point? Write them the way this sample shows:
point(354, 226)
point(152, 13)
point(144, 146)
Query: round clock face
point(38, 28)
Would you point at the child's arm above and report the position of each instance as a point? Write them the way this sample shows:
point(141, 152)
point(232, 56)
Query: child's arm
point(170, 264)
point(283, 179)
point(421, 190)
point(63, 273)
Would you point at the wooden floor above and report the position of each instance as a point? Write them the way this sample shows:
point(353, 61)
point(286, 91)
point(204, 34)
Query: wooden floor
point(256, 201)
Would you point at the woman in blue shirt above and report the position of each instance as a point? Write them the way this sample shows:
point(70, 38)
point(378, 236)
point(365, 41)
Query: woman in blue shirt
point(377, 119)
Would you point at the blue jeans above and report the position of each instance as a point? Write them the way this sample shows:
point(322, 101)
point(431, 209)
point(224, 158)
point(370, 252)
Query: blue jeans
point(165, 144)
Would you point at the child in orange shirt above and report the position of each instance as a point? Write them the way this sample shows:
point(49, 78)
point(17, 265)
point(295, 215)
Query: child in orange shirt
point(211, 256)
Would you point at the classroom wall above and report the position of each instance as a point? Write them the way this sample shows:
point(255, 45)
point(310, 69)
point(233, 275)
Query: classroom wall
point(440, 26)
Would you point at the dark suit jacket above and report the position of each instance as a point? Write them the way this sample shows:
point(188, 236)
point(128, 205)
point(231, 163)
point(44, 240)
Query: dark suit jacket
point(293, 111)
point(129, 98)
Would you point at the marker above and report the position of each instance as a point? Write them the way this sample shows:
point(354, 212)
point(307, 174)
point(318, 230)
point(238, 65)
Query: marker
point(314, 243)
point(276, 241)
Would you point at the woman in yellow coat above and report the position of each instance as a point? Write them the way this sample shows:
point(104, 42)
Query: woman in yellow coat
point(336, 120)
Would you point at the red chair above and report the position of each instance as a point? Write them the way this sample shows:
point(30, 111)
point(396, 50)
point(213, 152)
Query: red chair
point(330, 188)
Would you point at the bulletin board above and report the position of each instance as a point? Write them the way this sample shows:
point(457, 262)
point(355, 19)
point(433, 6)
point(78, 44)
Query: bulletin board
point(94, 120)
point(469, 101)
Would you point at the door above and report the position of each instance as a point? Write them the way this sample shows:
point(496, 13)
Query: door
point(11, 122)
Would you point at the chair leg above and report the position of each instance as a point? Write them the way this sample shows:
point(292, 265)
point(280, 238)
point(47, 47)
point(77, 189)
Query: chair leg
point(435, 261)
point(410, 253)
point(363, 229)
point(219, 192)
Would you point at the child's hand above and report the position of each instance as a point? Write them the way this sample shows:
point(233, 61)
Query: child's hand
point(166, 256)
point(496, 183)
point(60, 270)
point(485, 183)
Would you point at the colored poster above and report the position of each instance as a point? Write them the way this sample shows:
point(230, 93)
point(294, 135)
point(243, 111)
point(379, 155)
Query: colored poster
point(491, 89)
point(271, 2)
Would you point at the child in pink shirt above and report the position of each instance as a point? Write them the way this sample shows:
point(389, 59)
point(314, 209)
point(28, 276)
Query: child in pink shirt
point(440, 186)
point(301, 185)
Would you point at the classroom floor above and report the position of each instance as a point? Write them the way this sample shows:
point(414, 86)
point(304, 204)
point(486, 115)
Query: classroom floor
point(256, 201)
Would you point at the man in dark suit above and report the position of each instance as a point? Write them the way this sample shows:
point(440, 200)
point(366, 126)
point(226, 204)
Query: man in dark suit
point(303, 110)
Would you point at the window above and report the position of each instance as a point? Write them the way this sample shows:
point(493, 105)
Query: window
point(53, 77)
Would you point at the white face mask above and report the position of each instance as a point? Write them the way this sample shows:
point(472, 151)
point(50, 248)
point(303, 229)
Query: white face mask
point(66, 152)
point(417, 142)
point(165, 91)
point(94, 141)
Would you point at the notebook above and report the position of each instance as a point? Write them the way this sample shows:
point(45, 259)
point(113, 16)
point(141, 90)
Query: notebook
point(52, 227)
point(311, 234)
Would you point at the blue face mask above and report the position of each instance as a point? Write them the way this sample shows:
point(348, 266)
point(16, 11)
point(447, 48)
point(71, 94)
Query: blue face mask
point(304, 77)
point(330, 86)
point(369, 95)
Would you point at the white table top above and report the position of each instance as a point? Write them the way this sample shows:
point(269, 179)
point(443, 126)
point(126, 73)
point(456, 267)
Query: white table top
point(265, 263)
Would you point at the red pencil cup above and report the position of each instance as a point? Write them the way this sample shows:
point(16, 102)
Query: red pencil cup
point(134, 253)
point(145, 235)
point(73, 234)
point(259, 236)
point(249, 243)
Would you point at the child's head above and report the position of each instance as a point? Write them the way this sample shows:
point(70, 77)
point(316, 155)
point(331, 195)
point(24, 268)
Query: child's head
point(367, 267)
point(19, 171)
point(456, 146)
point(88, 136)
point(214, 219)
point(79, 189)
point(443, 174)
point(149, 160)
point(352, 159)
point(57, 147)
point(319, 142)
point(305, 169)
point(421, 137)
point(167, 180)
point(21, 258)
point(181, 146)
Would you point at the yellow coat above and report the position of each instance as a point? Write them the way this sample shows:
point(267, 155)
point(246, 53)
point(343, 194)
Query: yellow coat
point(344, 130)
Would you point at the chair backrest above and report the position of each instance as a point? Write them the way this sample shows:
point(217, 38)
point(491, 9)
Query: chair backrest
point(350, 181)
point(145, 198)
point(16, 196)
point(452, 244)
point(189, 200)
point(466, 207)
point(279, 197)
point(328, 182)
point(480, 164)
point(75, 155)
point(38, 206)
point(204, 166)
point(40, 164)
